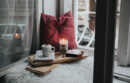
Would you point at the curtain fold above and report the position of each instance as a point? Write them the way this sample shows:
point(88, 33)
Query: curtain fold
point(35, 37)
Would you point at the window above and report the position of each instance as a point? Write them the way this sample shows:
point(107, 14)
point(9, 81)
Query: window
point(16, 27)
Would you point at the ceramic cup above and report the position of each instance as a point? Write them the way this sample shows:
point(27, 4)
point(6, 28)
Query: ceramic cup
point(47, 50)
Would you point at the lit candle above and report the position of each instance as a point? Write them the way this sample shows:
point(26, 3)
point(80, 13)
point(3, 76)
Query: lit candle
point(17, 35)
point(63, 46)
point(63, 41)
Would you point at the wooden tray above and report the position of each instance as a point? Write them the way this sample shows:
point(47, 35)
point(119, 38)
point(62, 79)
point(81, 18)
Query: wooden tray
point(58, 59)
point(41, 70)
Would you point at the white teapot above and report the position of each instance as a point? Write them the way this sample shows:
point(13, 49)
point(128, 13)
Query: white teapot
point(47, 50)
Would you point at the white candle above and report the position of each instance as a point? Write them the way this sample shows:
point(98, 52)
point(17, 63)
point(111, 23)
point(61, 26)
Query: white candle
point(63, 46)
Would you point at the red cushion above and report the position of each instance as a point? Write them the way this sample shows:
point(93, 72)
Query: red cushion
point(52, 29)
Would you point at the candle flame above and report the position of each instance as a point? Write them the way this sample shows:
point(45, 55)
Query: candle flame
point(17, 35)
point(63, 41)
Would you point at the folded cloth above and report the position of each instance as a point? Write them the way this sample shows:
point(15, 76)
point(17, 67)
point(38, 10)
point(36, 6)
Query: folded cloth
point(74, 53)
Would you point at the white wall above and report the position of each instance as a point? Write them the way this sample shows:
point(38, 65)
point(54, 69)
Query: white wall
point(50, 7)
point(65, 5)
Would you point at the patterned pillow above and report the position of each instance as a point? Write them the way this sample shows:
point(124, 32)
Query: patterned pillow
point(52, 29)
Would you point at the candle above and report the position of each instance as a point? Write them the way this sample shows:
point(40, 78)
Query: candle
point(17, 35)
point(63, 46)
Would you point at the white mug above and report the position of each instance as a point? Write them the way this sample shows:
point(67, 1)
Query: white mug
point(47, 50)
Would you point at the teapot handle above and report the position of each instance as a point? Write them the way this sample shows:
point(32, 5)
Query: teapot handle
point(53, 49)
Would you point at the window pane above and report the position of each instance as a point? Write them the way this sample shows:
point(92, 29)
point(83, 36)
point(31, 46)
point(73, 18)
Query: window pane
point(16, 26)
point(122, 56)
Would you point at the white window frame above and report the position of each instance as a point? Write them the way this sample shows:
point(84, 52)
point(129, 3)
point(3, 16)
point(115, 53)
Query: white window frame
point(124, 34)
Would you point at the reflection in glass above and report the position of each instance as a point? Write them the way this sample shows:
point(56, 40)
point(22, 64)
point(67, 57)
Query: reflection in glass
point(16, 27)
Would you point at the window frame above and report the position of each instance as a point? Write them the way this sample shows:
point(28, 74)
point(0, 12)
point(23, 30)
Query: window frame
point(104, 41)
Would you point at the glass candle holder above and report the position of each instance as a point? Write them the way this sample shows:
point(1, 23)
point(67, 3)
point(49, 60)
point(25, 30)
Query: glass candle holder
point(63, 46)
point(17, 35)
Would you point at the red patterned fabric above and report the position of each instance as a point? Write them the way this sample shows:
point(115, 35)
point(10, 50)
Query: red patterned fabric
point(52, 29)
